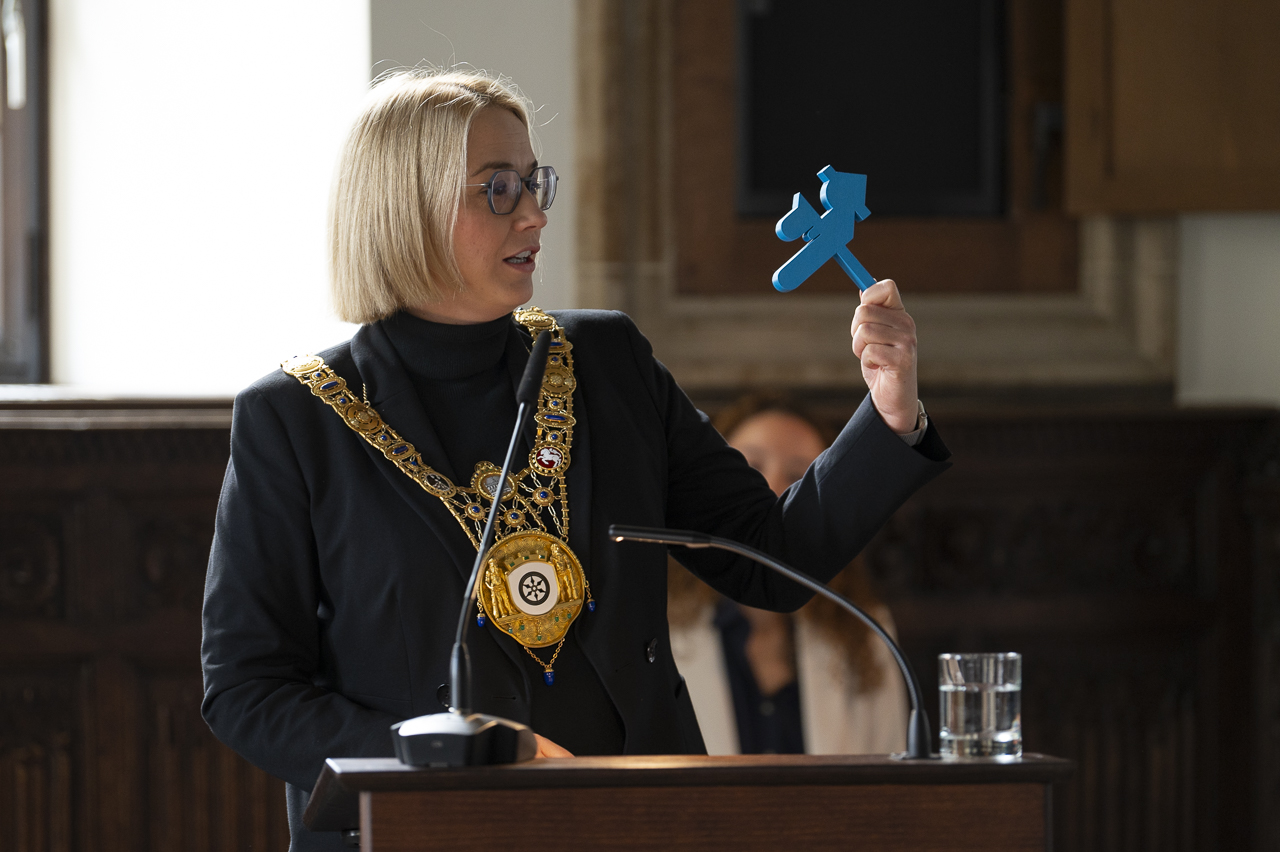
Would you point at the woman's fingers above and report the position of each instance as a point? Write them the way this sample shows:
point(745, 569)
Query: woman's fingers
point(881, 319)
point(876, 356)
point(884, 293)
point(880, 315)
point(546, 748)
point(884, 334)
point(902, 337)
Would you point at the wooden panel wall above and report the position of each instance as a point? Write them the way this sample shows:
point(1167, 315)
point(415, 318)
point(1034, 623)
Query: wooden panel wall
point(104, 538)
point(1133, 558)
point(1114, 552)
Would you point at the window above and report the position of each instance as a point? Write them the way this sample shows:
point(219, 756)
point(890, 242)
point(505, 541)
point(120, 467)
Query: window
point(24, 193)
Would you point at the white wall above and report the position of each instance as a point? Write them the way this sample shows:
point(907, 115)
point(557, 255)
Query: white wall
point(532, 42)
point(192, 150)
point(1229, 311)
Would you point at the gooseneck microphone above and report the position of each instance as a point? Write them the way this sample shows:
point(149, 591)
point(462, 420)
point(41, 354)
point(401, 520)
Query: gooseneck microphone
point(526, 401)
point(919, 737)
point(459, 737)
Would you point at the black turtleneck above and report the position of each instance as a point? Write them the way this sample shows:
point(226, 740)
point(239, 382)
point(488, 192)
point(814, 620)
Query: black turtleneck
point(461, 375)
point(465, 383)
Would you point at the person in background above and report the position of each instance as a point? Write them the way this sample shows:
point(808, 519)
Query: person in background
point(818, 681)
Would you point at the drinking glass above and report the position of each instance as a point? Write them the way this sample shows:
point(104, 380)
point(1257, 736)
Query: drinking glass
point(981, 696)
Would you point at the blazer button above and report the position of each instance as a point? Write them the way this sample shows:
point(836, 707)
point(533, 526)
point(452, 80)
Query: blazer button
point(651, 650)
point(442, 694)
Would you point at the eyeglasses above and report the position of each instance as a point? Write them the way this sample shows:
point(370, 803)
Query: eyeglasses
point(505, 186)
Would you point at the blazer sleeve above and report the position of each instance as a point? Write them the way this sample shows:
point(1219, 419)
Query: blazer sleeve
point(261, 646)
point(818, 525)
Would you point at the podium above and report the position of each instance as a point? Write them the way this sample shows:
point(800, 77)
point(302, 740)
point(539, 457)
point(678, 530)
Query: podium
point(687, 802)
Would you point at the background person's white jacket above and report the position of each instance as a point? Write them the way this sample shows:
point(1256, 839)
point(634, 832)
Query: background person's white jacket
point(836, 718)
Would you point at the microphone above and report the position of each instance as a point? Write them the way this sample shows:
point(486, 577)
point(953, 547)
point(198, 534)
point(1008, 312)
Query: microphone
point(459, 737)
point(919, 737)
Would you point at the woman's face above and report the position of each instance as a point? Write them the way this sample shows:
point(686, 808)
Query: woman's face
point(496, 254)
point(779, 445)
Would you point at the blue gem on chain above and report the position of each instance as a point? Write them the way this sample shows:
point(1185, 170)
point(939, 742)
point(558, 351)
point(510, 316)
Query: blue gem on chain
point(591, 606)
point(480, 620)
point(550, 677)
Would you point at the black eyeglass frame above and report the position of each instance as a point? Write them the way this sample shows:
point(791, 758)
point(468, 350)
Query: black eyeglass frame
point(523, 183)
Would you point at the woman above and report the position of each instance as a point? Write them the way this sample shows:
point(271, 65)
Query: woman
point(818, 682)
point(359, 479)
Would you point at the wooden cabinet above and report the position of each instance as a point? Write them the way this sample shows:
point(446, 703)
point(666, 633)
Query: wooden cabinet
point(1172, 105)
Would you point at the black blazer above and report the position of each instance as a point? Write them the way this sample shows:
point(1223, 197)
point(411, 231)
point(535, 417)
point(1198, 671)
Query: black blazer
point(334, 580)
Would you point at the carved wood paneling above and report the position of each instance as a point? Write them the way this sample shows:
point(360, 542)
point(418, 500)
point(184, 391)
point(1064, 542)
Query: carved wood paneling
point(1112, 551)
point(1131, 726)
point(104, 540)
point(41, 759)
point(31, 571)
point(1050, 546)
point(199, 795)
point(1134, 558)
point(1263, 502)
point(170, 545)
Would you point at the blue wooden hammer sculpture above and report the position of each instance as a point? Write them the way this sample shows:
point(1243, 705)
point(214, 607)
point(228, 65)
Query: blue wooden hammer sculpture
point(826, 236)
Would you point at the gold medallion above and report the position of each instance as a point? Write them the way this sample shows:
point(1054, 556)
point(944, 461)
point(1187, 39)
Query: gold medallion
point(532, 588)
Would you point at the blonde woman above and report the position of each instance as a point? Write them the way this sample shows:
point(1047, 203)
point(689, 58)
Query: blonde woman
point(360, 476)
point(816, 682)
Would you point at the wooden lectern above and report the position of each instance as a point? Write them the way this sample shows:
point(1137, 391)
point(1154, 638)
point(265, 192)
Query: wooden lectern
point(695, 803)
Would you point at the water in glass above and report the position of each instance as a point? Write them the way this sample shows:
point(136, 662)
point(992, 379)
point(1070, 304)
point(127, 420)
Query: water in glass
point(981, 703)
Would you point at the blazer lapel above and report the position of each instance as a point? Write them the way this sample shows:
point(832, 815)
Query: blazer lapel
point(392, 395)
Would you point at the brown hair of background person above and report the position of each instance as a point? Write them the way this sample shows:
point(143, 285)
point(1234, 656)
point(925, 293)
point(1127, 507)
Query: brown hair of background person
point(687, 596)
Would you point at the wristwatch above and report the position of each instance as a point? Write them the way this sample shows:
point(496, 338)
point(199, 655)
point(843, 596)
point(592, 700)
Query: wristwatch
point(922, 424)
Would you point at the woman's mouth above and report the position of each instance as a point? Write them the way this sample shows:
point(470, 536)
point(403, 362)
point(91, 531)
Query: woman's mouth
point(523, 257)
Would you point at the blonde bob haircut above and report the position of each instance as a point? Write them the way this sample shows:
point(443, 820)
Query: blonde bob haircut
point(398, 186)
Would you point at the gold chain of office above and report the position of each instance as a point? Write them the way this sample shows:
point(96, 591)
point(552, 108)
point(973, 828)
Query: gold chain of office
point(532, 586)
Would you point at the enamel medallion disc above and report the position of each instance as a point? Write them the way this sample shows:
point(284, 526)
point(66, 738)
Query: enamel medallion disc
point(532, 588)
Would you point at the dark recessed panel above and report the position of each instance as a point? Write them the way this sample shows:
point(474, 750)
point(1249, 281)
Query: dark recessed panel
point(909, 94)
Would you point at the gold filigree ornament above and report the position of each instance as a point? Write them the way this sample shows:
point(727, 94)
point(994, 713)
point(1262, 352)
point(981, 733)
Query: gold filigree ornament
point(532, 586)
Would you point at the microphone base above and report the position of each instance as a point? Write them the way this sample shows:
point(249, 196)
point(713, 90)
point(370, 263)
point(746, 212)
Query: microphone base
point(451, 739)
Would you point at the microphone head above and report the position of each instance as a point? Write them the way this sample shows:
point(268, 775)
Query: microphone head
point(687, 538)
point(531, 381)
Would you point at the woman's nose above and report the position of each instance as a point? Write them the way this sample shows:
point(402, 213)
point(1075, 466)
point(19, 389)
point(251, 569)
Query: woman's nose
point(527, 213)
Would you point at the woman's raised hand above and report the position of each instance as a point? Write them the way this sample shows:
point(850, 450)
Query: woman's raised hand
point(884, 340)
